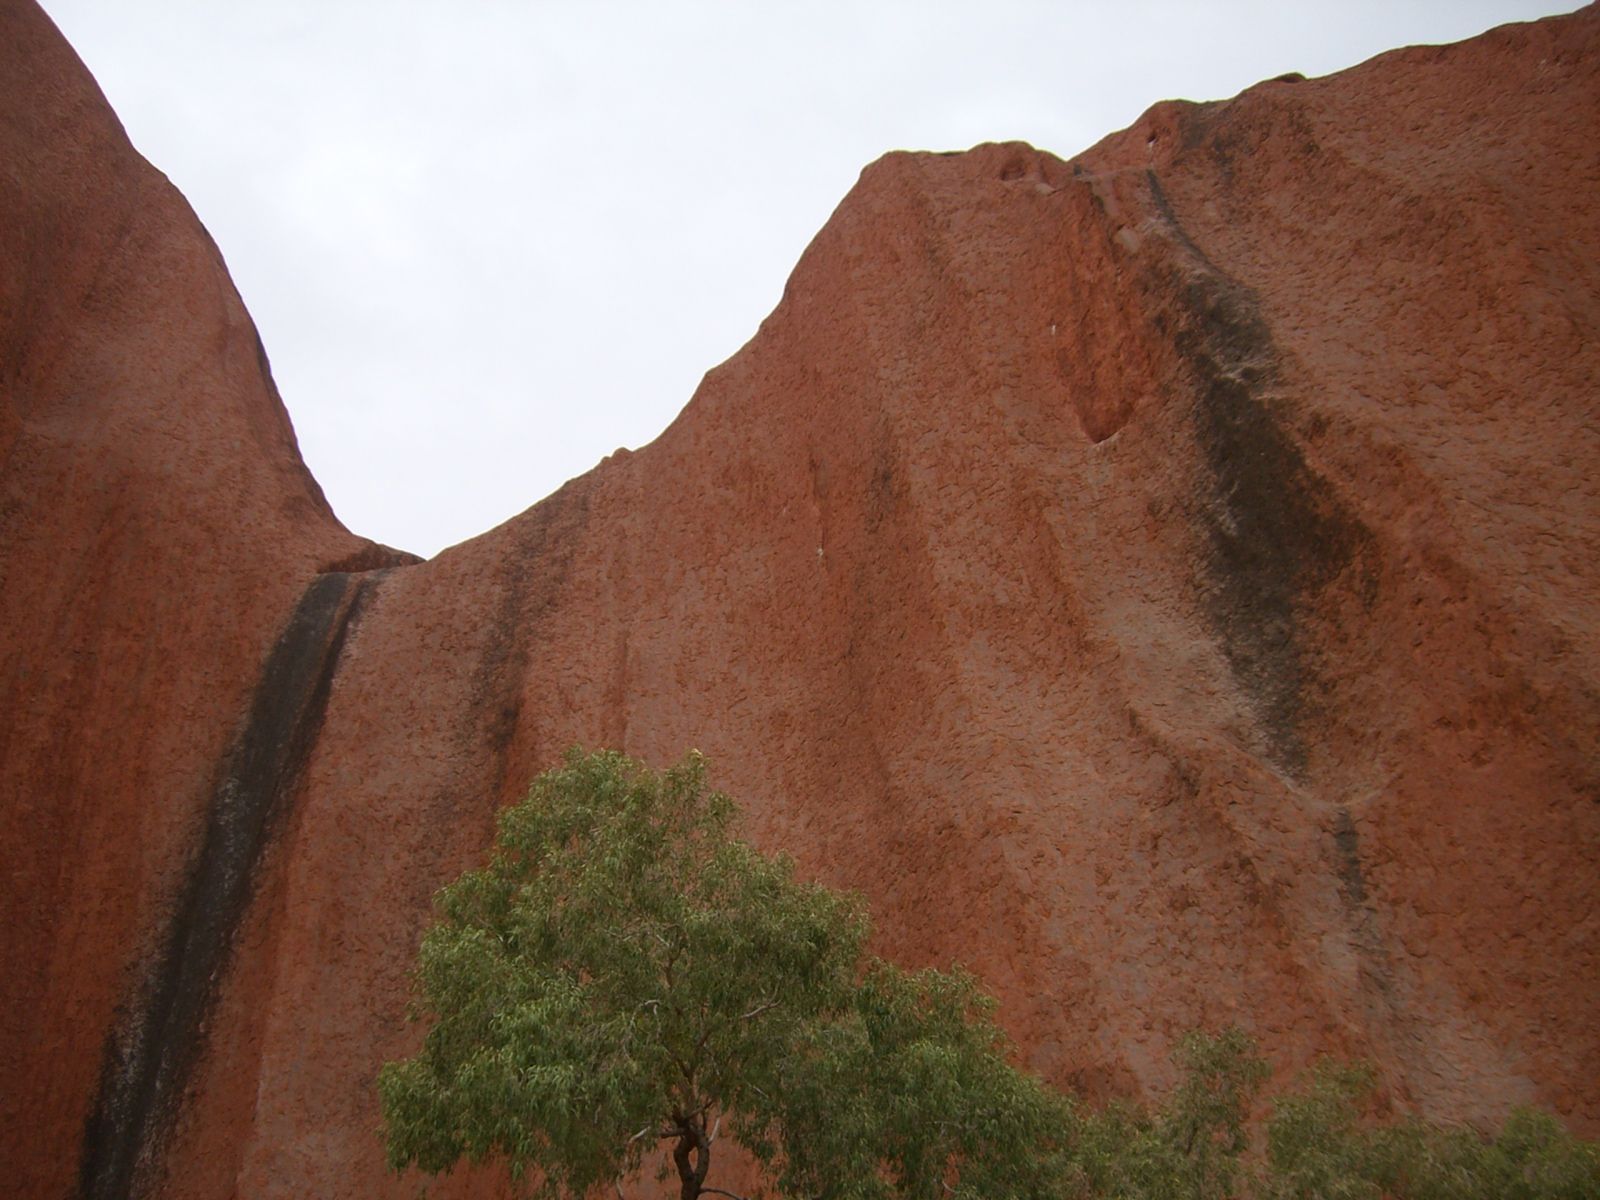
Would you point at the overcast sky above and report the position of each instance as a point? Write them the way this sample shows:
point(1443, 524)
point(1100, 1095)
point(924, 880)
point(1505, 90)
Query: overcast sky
point(487, 243)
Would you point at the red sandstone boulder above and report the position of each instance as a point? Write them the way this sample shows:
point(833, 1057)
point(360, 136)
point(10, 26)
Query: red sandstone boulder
point(1164, 581)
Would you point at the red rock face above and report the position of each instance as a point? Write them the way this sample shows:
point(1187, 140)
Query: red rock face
point(157, 529)
point(1165, 582)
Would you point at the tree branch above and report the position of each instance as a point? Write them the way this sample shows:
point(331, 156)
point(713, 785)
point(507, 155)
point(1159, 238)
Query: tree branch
point(759, 1009)
point(659, 1134)
point(701, 1043)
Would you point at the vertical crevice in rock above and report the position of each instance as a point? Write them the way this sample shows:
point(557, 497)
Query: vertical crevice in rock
point(150, 1054)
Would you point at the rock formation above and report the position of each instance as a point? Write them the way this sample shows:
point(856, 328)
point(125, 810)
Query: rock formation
point(1165, 581)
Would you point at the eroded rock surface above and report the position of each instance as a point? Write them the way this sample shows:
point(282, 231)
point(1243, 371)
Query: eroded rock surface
point(1165, 581)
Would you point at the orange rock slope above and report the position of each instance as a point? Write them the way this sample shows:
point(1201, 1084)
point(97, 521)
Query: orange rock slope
point(1165, 581)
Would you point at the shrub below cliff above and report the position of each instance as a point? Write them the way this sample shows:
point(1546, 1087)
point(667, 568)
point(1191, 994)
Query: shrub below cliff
point(1319, 1141)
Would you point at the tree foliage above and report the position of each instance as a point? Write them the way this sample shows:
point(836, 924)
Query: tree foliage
point(625, 973)
point(626, 982)
point(1189, 1149)
point(1318, 1141)
point(1319, 1146)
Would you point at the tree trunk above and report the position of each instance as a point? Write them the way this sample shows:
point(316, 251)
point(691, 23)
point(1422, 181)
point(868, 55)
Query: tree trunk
point(691, 1144)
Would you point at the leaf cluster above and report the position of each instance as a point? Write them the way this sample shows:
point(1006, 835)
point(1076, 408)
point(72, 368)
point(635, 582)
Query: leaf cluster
point(1192, 1148)
point(1319, 1146)
point(1319, 1141)
point(908, 1092)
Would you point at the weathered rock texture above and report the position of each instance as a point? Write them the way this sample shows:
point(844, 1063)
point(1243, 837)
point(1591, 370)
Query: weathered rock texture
point(1166, 581)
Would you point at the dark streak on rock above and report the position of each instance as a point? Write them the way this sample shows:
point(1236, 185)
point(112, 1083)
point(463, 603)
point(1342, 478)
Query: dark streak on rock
point(148, 1059)
point(1348, 844)
point(1366, 934)
point(532, 577)
point(1277, 534)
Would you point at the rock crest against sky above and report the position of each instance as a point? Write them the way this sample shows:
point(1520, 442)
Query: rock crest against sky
point(487, 244)
point(1162, 580)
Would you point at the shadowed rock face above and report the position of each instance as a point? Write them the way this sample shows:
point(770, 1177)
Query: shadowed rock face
point(1164, 581)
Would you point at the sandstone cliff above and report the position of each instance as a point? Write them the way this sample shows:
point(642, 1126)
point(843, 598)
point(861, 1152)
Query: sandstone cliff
point(1165, 581)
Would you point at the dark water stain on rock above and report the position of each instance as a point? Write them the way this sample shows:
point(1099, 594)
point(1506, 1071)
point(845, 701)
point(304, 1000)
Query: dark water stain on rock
point(1347, 844)
point(1276, 533)
point(148, 1058)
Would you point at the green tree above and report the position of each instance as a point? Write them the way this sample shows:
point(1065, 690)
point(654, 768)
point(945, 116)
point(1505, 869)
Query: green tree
point(624, 973)
point(1321, 1140)
point(1191, 1147)
point(1319, 1147)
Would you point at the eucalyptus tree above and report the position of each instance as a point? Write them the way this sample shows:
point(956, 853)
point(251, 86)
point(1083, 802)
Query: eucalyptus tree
point(625, 982)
